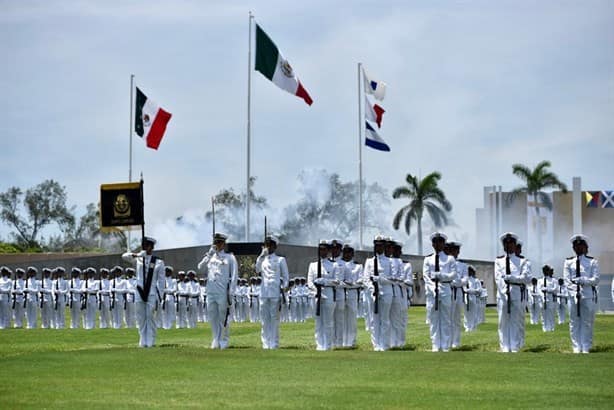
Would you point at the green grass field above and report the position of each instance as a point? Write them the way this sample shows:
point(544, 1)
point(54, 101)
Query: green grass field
point(104, 369)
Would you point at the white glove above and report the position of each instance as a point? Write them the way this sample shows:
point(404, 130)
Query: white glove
point(265, 252)
point(212, 250)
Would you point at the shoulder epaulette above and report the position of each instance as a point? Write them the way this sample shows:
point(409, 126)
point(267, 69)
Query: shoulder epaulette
point(571, 257)
point(430, 254)
point(521, 256)
point(501, 256)
point(589, 257)
point(404, 261)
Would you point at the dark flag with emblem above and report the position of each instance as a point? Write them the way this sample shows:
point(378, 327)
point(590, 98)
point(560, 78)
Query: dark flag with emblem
point(149, 120)
point(121, 204)
point(272, 64)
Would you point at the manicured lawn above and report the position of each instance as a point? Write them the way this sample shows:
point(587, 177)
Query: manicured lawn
point(105, 369)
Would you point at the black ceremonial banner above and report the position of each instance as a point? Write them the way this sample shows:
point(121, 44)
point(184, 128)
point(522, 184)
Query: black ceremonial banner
point(121, 204)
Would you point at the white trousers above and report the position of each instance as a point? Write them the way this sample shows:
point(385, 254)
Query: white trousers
point(18, 314)
point(339, 320)
point(440, 323)
point(216, 309)
point(456, 320)
point(5, 314)
point(380, 332)
point(351, 313)
point(324, 331)
point(511, 325)
point(31, 314)
point(145, 322)
point(548, 313)
point(581, 328)
point(269, 316)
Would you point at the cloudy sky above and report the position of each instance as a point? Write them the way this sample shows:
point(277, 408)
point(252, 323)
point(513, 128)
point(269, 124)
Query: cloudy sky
point(473, 87)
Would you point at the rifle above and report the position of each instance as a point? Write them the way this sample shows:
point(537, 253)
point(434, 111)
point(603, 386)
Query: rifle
point(100, 294)
point(113, 294)
point(14, 292)
point(436, 281)
point(84, 299)
point(57, 296)
point(578, 289)
point(375, 284)
point(508, 272)
point(228, 300)
point(545, 295)
point(164, 297)
point(319, 287)
point(25, 296)
point(72, 286)
point(41, 293)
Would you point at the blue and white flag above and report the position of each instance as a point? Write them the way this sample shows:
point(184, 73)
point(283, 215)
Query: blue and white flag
point(373, 140)
point(373, 86)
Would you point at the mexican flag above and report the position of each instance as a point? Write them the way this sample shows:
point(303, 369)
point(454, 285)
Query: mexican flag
point(272, 64)
point(149, 120)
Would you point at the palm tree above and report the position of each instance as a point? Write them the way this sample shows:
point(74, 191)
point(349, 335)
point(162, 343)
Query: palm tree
point(423, 194)
point(536, 181)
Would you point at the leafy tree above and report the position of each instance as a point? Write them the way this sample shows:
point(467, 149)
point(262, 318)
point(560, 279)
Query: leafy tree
point(44, 204)
point(230, 210)
point(536, 180)
point(422, 195)
point(328, 208)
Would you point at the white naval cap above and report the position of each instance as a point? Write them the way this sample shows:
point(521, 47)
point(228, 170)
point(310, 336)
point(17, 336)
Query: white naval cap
point(271, 238)
point(324, 243)
point(397, 243)
point(578, 237)
point(149, 239)
point(31, 269)
point(379, 238)
point(436, 235)
point(219, 236)
point(454, 244)
point(507, 236)
point(519, 242)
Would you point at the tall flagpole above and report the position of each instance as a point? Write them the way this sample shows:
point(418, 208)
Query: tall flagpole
point(360, 125)
point(130, 144)
point(249, 115)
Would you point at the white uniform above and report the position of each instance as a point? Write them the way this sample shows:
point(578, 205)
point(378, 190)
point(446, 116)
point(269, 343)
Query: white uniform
point(60, 291)
point(104, 303)
point(536, 300)
point(339, 299)
point(118, 301)
point(31, 303)
point(324, 319)
point(254, 303)
point(18, 302)
point(5, 301)
point(438, 291)
point(511, 322)
point(482, 303)
point(274, 272)
point(398, 309)
point(146, 303)
point(472, 311)
point(352, 273)
point(183, 303)
point(168, 302)
point(221, 269)
point(194, 295)
point(74, 302)
point(581, 274)
point(458, 302)
point(90, 292)
point(550, 304)
point(380, 286)
point(45, 301)
point(130, 294)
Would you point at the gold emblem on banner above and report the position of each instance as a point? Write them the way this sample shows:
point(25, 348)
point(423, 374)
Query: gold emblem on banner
point(121, 206)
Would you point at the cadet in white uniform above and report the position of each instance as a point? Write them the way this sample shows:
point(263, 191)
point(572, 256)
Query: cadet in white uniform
point(45, 298)
point(581, 274)
point(60, 291)
point(74, 298)
point(439, 270)
point(104, 299)
point(548, 288)
point(149, 279)
point(90, 294)
point(321, 278)
point(401, 289)
point(118, 297)
point(194, 297)
point(536, 300)
point(182, 300)
point(6, 285)
point(19, 299)
point(130, 294)
point(380, 282)
point(31, 301)
point(458, 299)
point(168, 299)
point(352, 273)
point(220, 269)
point(274, 272)
point(473, 291)
point(254, 300)
point(512, 274)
